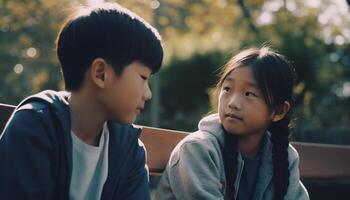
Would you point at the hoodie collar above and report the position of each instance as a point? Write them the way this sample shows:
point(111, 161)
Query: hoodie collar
point(53, 98)
point(212, 124)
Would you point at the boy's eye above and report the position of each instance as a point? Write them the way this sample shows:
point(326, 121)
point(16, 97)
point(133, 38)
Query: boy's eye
point(144, 77)
point(251, 94)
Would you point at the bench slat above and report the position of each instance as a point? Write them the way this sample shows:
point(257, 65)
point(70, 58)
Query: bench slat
point(159, 144)
point(323, 161)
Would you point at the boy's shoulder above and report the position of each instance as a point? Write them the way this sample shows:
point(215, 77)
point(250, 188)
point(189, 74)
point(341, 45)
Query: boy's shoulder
point(44, 99)
point(49, 96)
point(33, 120)
point(36, 112)
point(35, 106)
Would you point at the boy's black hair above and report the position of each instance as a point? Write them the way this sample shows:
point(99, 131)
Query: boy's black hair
point(275, 77)
point(106, 31)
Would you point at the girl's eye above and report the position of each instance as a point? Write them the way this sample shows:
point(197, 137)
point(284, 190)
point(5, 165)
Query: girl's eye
point(226, 89)
point(250, 94)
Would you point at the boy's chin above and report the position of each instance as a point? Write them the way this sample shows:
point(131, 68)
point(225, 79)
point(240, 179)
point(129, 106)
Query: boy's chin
point(128, 121)
point(125, 120)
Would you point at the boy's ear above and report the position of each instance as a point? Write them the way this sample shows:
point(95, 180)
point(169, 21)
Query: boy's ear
point(281, 111)
point(98, 71)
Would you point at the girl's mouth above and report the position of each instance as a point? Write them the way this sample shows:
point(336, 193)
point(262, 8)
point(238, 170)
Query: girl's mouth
point(233, 116)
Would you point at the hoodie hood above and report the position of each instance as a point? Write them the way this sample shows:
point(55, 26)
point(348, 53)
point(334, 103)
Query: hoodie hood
point(211, 124)
point(56, 100)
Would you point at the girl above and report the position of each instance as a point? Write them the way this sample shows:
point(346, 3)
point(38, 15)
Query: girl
point(242, 152)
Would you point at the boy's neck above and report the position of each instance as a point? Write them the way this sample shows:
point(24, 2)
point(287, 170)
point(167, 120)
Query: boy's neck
point(250, 145)
point(86, 117)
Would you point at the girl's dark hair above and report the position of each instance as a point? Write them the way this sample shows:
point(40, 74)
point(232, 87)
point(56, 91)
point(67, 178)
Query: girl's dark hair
point(107, 31)
point(230, 155)
point(275, 77)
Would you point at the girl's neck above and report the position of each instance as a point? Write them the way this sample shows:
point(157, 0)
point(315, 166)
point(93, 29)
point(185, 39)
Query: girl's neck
point(250, 145)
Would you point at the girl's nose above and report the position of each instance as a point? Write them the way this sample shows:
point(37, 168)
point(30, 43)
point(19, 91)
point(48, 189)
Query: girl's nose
point(235, 102)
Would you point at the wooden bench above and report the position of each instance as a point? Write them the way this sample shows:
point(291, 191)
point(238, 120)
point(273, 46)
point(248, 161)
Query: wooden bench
point(321, 166)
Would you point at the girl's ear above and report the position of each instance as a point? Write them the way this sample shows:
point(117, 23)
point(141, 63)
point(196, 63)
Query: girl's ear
point(281, 111)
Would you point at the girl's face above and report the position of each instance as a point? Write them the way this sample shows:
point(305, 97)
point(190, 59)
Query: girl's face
point(242, 108)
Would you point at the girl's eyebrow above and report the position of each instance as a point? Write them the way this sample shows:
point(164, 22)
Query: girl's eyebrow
point(249, 83)
point(229, 79)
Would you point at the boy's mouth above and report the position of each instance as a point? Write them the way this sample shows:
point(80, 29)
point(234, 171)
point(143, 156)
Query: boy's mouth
point(139, 110)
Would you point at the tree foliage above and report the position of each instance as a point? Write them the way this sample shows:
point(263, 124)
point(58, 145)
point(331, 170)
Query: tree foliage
point(198, 37)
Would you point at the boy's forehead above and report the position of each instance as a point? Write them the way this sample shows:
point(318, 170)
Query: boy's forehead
point(140, 66)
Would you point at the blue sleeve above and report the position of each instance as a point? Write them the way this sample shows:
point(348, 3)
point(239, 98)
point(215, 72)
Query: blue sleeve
point(136, 186)
point(24, 155)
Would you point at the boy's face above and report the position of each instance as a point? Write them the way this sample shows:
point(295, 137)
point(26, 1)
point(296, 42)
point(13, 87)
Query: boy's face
point(125, 94)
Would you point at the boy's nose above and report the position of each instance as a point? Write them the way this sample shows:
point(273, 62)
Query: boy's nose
point(235, 102)
point(148, 93)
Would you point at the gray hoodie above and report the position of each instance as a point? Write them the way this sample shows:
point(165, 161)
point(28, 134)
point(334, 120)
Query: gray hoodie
point(196, 170)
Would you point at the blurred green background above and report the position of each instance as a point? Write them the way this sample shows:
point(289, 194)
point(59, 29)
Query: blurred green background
point(198, 37)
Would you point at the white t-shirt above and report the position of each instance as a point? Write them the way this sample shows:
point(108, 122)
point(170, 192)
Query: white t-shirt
point(89, 168)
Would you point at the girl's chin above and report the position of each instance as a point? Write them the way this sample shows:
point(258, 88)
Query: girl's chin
point(233, 131)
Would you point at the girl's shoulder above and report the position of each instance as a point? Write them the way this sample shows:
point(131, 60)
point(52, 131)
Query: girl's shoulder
point(200, 144)
point(199, 139)
point(292, 153)
point(199, 136)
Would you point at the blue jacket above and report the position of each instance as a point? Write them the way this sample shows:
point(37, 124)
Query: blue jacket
point(36, 154)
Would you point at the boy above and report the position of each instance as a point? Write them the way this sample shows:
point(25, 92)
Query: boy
point(80, 145)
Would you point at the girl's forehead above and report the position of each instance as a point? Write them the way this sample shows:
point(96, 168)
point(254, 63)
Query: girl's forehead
point(241, 74)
